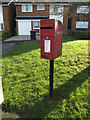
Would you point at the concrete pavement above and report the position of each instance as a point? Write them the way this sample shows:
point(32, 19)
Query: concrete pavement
point(8, 46)
point(18, 38)
point(10, 43)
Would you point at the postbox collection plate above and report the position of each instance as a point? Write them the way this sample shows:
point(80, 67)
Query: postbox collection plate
point(47, 46)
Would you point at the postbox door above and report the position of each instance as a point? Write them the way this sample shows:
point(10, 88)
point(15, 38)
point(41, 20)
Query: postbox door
point(47, 47)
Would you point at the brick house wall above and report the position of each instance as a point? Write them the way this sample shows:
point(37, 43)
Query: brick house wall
point(83, 17)
point(34, 12)
point(6, 18)
point(42, 13)
point(79, 17)
point(74, 18)
point(9, 18)
point(65, 20)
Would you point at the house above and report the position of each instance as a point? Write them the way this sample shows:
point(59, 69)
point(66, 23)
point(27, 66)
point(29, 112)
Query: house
point(29, 13)
point(24, 16)
point(7, 16)
point(80, 19)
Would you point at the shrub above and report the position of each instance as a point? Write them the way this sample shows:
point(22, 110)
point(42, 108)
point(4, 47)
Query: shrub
point(80, 34)
point(5, 34)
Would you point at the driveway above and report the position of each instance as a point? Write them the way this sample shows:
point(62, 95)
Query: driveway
point(8, 46)
point(18, 38)
point(10, 43)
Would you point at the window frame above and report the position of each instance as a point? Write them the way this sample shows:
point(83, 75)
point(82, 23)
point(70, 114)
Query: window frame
point(24, 8)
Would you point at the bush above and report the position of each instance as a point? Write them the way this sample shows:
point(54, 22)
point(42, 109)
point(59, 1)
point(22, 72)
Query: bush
point(80, 34)
point(5, 34)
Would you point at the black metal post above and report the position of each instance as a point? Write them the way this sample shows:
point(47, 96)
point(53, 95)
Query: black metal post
point(51, 77)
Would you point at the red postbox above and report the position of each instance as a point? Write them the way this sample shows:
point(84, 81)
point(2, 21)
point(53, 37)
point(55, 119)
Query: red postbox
point(51, 38)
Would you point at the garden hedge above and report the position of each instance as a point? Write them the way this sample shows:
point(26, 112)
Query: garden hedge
point(5, 34)
point(80, 34)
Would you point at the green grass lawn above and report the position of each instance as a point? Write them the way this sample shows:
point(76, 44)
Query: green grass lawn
point(26, 81)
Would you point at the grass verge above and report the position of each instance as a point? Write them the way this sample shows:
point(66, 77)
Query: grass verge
point(26, 82)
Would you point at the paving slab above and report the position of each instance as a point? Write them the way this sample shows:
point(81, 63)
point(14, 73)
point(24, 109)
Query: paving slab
point(19, 38)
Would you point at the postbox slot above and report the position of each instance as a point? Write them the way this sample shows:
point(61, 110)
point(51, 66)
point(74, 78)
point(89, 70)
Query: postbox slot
point(46, 27)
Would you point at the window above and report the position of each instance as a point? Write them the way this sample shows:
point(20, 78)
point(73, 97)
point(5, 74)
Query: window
point(1, 26)
point(83, 9)
point(56, 9)
point(26, 8)
point(60, 9)
point(40, 7)
point(80, 24)
point(1, 15)
point(0, 9)
point(36, 26)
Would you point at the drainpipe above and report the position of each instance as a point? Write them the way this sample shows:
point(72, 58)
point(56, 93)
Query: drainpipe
point(12, 31)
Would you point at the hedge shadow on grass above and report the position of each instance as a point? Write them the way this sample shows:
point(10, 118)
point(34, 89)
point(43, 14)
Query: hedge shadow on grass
point(42, 108)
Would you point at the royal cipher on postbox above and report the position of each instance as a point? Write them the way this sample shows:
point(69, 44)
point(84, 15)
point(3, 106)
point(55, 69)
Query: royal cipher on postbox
point(51, 38)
